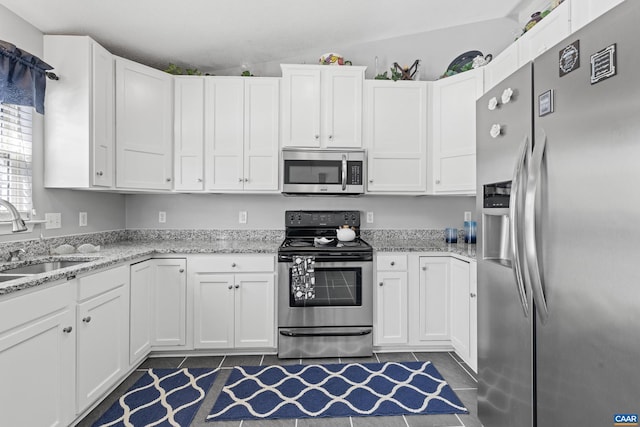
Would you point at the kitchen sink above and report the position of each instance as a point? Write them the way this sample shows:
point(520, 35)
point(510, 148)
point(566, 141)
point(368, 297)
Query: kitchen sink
point(42, 267)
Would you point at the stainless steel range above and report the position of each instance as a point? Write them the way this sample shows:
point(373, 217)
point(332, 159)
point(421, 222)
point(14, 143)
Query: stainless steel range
point(337, 319)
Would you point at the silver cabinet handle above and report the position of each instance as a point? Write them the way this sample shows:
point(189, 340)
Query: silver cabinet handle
point(437, 181)
point(371, 181)
point(393, 263)
point(86, 319)
point(236, 286)
point(515, 203)
point(99, 173)
point(317, 136)
point(230, 287)
point(472, 295)
point(233, 265)
point(531, 250)
point(67, 330)
point(168, 179)
point(239, 179)
point(199, 179)
point(330, 137)
point(181, 270)
point(381, 284)
point(424, 268)
point(246, 180)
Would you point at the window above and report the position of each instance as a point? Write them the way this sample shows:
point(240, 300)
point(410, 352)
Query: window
point(16, 157)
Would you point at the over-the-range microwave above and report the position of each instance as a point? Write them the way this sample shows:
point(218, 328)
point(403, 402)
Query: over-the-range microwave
point(323, 171)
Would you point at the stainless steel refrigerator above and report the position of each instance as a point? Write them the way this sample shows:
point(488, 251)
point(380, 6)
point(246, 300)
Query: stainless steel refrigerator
point(558, 202)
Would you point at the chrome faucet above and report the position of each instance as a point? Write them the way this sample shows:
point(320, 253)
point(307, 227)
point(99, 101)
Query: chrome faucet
point(16, 221)
point(15, 255)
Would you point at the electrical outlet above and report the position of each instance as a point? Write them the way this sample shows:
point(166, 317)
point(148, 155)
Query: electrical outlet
point(467, 216)
point(242, 217)
point(369, 217)
point(82, 219)
point(54, 220)
point(162, 217)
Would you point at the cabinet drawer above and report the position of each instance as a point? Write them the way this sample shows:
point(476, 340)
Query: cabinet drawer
point(103, 281)
point(391, 262)
point(232, 264)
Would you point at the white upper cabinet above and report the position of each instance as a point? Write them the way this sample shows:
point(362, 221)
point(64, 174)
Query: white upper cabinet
point(144, 131)
point(396, 134)
point(452, 140)
point(322, 106)
point(585, 11)
point(188, 128)
point(79, 120)
point(546, 33)
point(501, 66)
point(241, 133)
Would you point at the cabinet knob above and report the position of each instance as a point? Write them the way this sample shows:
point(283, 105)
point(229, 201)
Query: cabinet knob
point(246, 180)
point(233, 265)
point(424, 268)
point(86, 319)
point(67, 330)
point(181, 270)
point(437, 181)
point(381, 284)
point(393, 263)
point(99, 173)
point(199, 179)
point(317, 136)
point(230, 287)
point(239, 179)
point(370, 181)
point(236, 286)
point(168, 179)
point(330, 137)
point(472, 295)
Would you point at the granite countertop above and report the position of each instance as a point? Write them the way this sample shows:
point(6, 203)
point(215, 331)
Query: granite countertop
point(123, 251)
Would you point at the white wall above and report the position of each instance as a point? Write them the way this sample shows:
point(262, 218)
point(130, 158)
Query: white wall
point(105, 211)
point(266, 212)
point(435, 49)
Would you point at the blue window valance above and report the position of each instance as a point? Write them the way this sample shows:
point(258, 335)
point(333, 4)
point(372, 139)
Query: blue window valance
point(22, 77)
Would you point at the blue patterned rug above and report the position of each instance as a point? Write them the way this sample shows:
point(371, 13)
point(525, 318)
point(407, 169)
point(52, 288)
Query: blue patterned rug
point(336, 390)
point(161, 397)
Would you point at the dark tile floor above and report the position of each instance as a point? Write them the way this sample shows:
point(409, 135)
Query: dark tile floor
point(459, 376)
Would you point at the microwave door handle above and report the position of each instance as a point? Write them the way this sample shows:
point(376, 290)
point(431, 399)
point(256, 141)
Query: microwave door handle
point(344, 172)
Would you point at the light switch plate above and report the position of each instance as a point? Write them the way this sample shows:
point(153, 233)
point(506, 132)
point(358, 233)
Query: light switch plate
point(242, 217)
point(82, 219)
point(54, 220)
point(369, 217)
point(162, 217)
point(467, 216)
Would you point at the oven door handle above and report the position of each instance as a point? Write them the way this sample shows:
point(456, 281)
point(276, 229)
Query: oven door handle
point(287, 333)
point(344, 172)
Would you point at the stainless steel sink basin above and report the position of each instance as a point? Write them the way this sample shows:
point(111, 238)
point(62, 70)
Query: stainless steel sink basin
point(42, 267)
point(7, 277)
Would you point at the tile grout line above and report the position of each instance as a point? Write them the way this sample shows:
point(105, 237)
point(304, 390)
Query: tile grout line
point(182, 363)
point(222, 361)
point(462, 366)
point(414, 356)
point(405, 421)
point(261, 360)
point(461, 422)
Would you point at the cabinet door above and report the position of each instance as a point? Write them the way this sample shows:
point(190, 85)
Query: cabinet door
point(546, 33)
point(254, 310)
point(391, 308)
point(213, 297)
point(501, 66)
point(396, 133)
point(103, 344)
point(342, 115)
point(141, 277)
point(433, 322)
point(473, 316)
point(37, 358)
point(585, 11)
point(144, 113)
point(261, 133)
point(168, 296)
point(452, 139)
point(224, 127)
point(460, 309)
point(103, 116)
point(300, 107)
point(189, 133)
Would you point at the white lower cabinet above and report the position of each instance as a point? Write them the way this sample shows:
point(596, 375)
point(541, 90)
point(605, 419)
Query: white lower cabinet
point(460, 308)
point(433, 296)
point(102, 321)
point(37, 357)
point(391, 322)
point(233, 301)
point(168, 303)
point(141, 277)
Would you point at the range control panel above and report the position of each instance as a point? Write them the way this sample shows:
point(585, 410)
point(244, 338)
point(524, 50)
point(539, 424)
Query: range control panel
point(321, 219)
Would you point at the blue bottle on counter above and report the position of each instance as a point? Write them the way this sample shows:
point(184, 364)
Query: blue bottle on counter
point(470, 231)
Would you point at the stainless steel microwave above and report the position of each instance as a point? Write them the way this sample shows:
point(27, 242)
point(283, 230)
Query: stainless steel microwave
point(323, 171)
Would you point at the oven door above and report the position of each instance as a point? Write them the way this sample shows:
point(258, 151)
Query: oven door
point(344, 296)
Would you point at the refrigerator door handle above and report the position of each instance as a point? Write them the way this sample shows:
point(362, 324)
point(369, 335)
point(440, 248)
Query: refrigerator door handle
point(531, 250)
point(514, 221)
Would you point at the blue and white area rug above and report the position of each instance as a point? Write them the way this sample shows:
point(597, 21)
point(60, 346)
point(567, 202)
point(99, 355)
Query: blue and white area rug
point(335, 390)
point(161, 397)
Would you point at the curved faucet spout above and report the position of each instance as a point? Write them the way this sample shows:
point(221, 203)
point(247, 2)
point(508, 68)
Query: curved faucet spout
point(16, 221)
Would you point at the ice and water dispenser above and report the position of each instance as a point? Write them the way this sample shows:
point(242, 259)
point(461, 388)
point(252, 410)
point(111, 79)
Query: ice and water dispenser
point(496, 242)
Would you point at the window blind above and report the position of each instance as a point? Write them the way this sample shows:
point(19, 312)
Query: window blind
point(16, 157)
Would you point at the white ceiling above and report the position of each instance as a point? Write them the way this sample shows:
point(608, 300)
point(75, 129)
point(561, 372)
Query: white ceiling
point(217, 34)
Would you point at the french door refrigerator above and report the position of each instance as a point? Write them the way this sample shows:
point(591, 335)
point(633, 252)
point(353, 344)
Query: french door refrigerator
point(558, 200)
